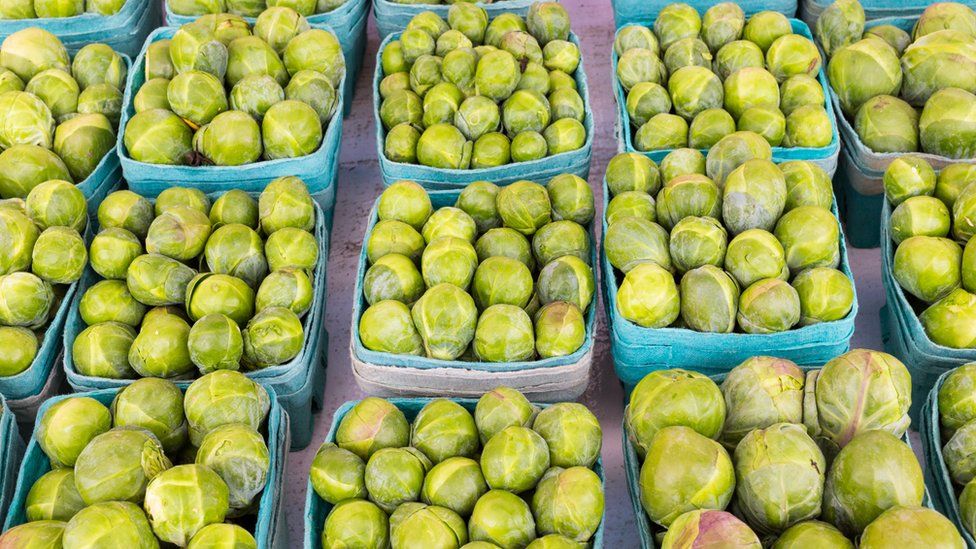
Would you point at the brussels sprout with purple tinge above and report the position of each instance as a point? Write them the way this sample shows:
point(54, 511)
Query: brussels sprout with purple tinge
point(707, 528)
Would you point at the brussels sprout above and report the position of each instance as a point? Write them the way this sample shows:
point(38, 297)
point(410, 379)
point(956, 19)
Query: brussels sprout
point(401, 143)
point(158, 62)
point(648, 296)
point(632, 172)
point(215, 343)
point(27, 300)
point(769, 123)
point(505, 242)
point(558, 80)
point(807, 184)
point(569, 502)
point(21, 345)
point(769, 305)
point(548, 21)
point(812, 533)
point(449, 222)
point(910, 525)
point(923, 63)
point(239, 455)
point(634, 36)
point(126, 210)
point(722, 24)
point(528, 146)
point(57, 203)
point(956, 454)
point(425, 73)
point(810, 237)
point(98, 64)
point(223, 397)
point(237, 250)
point(734, 150)
point(753, 255)
point(697, 241)
point(955, 405)
point(103, 99)
point(57, 89)
point(686, 395)
point(825, 295)
point(945, 16)
point(33, 123)
point(523, 46)
point(559, 329)
point(274, 336)
point(291, 248)
point(908, 176)
point(393, 276)
point(450, 41)
point(524, 206)
point(337, 474)
point(317, 50)
point(215, 536)
point(928, 267)
point(478, 200)
point(501, 25)
point(502, 518)
point(395, 476)
point(19, 236)
point(356, 522)
point(750, 87)
point(514, 460)
point(445, 317)
point(443, 429)
point(791, 55)
point(946, 321)
point(157, 280)
point(687, 52)
point(952, 180)
point(233, 138)
point(403, 106)
point(446, 260)
point(102, 350)
point(564, 135)
point(661, 132)
point(290, 129)
point(737, 55)
point(887, 124)
point(798, 91)
point(128, 526)
point(497, 75)
point(639, 65)
point(859, 487)
point(160, 349)
point(694, 89)
point(500, 408)
point(920, 216)
point(10, 81)
point(23, 167)
point(841, 24)
point(561, 55)
point(808, 126)
point(255, 94)
point(67, 427)
point(709, 527)
point(456, 484)
point(558, 239)
point(155, 405)
point(444, 146)
point(708, 128)
point(702, 479)
point(572, 434)
point(863, 70)
point(31, 51)
point(759, 393)
point(894, 36)
point(174, 492)
point(754, 196)
point(567, 278)
point(82, 142)
point(392, 236)
point(196, 47)
point(631, 241)
point(686, 196)
point(765, 27)
point(946, 125)
point(965, 508)
point(441, 103)
point(709, 300)
point(53, 497)
point(42, 533)
point(118, 464)
point(525, 110)
point(504, 334)
point(157, 136)
point(631, 204)
point(278, 25)
point(646, 100)
point(180, 232)
point(502, 280)
point(429, 526)
point(676, 21)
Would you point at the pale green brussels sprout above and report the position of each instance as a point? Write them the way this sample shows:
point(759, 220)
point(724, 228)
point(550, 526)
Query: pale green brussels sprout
point(407, 202)
point(233, 138)
point(501, 25)
point(812, 533)
point(528, 146)
point(808, 126)
point(663, 131)
point(504, 334)
point(685, 395)
point(964, 215)
point(505, 242)
point(810, 236)
point(285, 202)
point(290, 129)
point(444, 146)
point(737, 55)
point(10, 81)
point(754, 196)
point(304, 7)
point(709, 127)
point(923, 63)
point(248, 8)
point(98, 64)
point(753, 255)
point(705, 527)
point(694, 89)
point(429, 22)
point(293, 248)
point(173, 197)
point(102, 350)
point(956, 454)
point(239, 455)
point(634, 36)
point(946, 321)
point(558, 80)
point(807, 184)
point(157, 136)
point(401, 143)
point(444, 429)
point(392, 60)
point(640, 65)
point(393, 83)
point(428, 526)
point(40, 533)
point(825, 295)
point(103, 99)
point(221, 398)
point(57, 203)
point(558, 239)
point(82, 142)
point(158, 62)
point(561, 55)
point(548, 21)
point(456, 484)
point(687, 52)
point(155, 405)
point(502, 518)
point(863, 70)
point(237, 250)
point(769, 305)
point(447, 259)
point(33, 50)
point(318, 50)
point(497, 75)
point(500, 408)
point(222, 535)
point(118, 464)
point(395, 476)
point(59, 255)
point(572, 434)
point(449, 222)
point(966, 507)
point(523, 46)
point(560, 329)
point(791, 55)
point(252, 56)
point(215, 343)
point(278, 24)
point(841, 24)
point(425, 73)
point(928, 267)
point(33, 123)
point(514, 460)
point(952, 180)
point(946, 126)
point(393, 276)
point(160, 349)
point(920, 216)
point(184, 499)
point(948, 15)
point(887, 124)
point(955, 399)
point(21, 345)
point(450, 41)
point(765, 27)
point(709, 299)
point(908, 176)
point(525, 110)
point(478, 200)
point(23, 167)
point(18, 237)
point(564, 135)
point(446, 318)
point(388, 328)
point(769, 123)
point(356, 522)
point(458, 67)
point(27, 300)
point(23, 9)
point(441, 103)
point(910, 525)
point(477, 116)
point(129, 526)
point(414, 43)
point(750, 87)
point(874, 472)
point(567, 278)
point(631, 241)
point(57, 89)
point(646, 100)
point(631, 204)
point(676, 21)
point(571, 198)
point(734, 150)
point(53, 497)
point(632, 172)
point(196, 47)
point(759, 393)
point(686, 196)
point(274, 336)
point(697, 241)
point(800, 90)
point(126, 210)
point(569, 502)
point(648, 296)
point(524, 206)
point(702, 479)
point(894, 36)
point(391, 236)
point(179, 232)
point(337, 474)
point(68, 425)
point(722, 24)
point(502, 280)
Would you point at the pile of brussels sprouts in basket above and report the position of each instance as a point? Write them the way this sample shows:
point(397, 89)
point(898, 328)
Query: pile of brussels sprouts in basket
point(469, 93)
point(157, 466)
point(153, 315)
point(957, 415)
point(752, 245)
point(46, 9)
point(59, 114)
point(253, 8)
point(42, 251)
point(932, 225)
point(504, 275)
point(508, 475)
point(775, 457)
point(691, 79)
point(883, 76)
point(222, 93)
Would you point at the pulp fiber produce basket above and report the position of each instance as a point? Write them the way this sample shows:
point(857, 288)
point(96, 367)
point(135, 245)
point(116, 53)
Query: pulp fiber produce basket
point(810, 10)
point(316, 509)
point(389, 375)
point(632, 466)
point(299, 384)
point(269, 528)
point(392, 16)
point(644, 12)
point(825, 157)
point(318, 170)
point(903, 333)
point(124, 31)
point(862, 169)
point(11, 453)
point(937, 478)
point(637, 351)
point(348, 22)
point(541, 171)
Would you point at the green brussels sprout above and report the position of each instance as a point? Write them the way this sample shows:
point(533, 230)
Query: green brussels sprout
point(501, 280)
point(286, 202)
point(497, 75)
point(502, 518)
point(102, 350)
point(923, 64)
point(753, 255)
point(523, 46)
point(569, 502)
point(945, 16)
point(157, 136)
point(456, 484)
point(920, 216)
point(702, 479)
point(558, 239)
point(477, 116)
point(685, 395)
point(965, 508)
point(841, 24)
point(158, 62)
point(750, 87)
point(356, 522)
point(734, 150)
point(646, 100)
point(807, 184)
point(765, 27)
point(548, 21)
point(737, 55)
point(887, 124)
point(710, 285)
point(952, 180)
point(687, 52)
point(57, 89)
point(514, 460)
point(233, 138)
point(19, 10)
point(504, 334)
point(459, 65)
point(441, 103)
point(525, 110)
point(528, 146)
point(274, 336)
point(10, 81)
point(291, 248)
point(21, 345)
point(812, 533)
point(505, 242)
point(449, 222)
point(182, 500)
point(863, 70)
point(395, 476)
point(157, 280)
point(754, 196)
point(928, 267)
point(572, 434)
point(67, 426)
point(30, 51)
point(478, 200)
point(255, 94)
point(223, 397)
point(450, 41)
point(648, 296)
point(103, 99)
point(632, 172)
point(318, 50)
point(708, 128)
point(501, 25)
point(41, 533)
point(128, 526)
point(392, 60)
point(278, 25)
point(631, 241)
point(561, 55)
point(663, 131)
point(117, 465)
point(634, 36)
point(214, 342)
point(33, 124)
point(196, 47)
point(59, 255)
point(759, 393)
point(444, 146)
point(401, 143)
point(686, 196)
point(160, 349)
point(98, 64)
point(180, 232)
point(82, 142)
point(444, 429)
point(446, 318)
point(155, 405)
point(894, 36)
point(393, 276)
point(564, 135)
point(769, 305)
point(825, 295)
point(639, 65)
point(391, 236)
point(429, 526)
point(27, 300)
point(694, 89)
point(567, 278)
point(710, 527)
point(560, 329)
point(239, 455)
point(697, 241)
point(290, 129)
point(676, 21)
point(524, 206)
point(126, 210)
point(810, 237)
point(19, 235)
point(402, 106)
point(446, 260)
point(222, 535)
point(337, 474)
point(860, 486)
point(956, 454)
point(23, 167)
point(53, 497)
point(910, 525)
point(942, 320)
point(946, 124)
point(808, 126)
point(631, 204)
point(908, 176)
point(955, 405)
point(110, 301)
point(722, 24)
point(791, 55)
point(798, 91)
point(237, 250)
point(425, 73)
point(372, 424)
point(769, 123)
point(500, 408)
